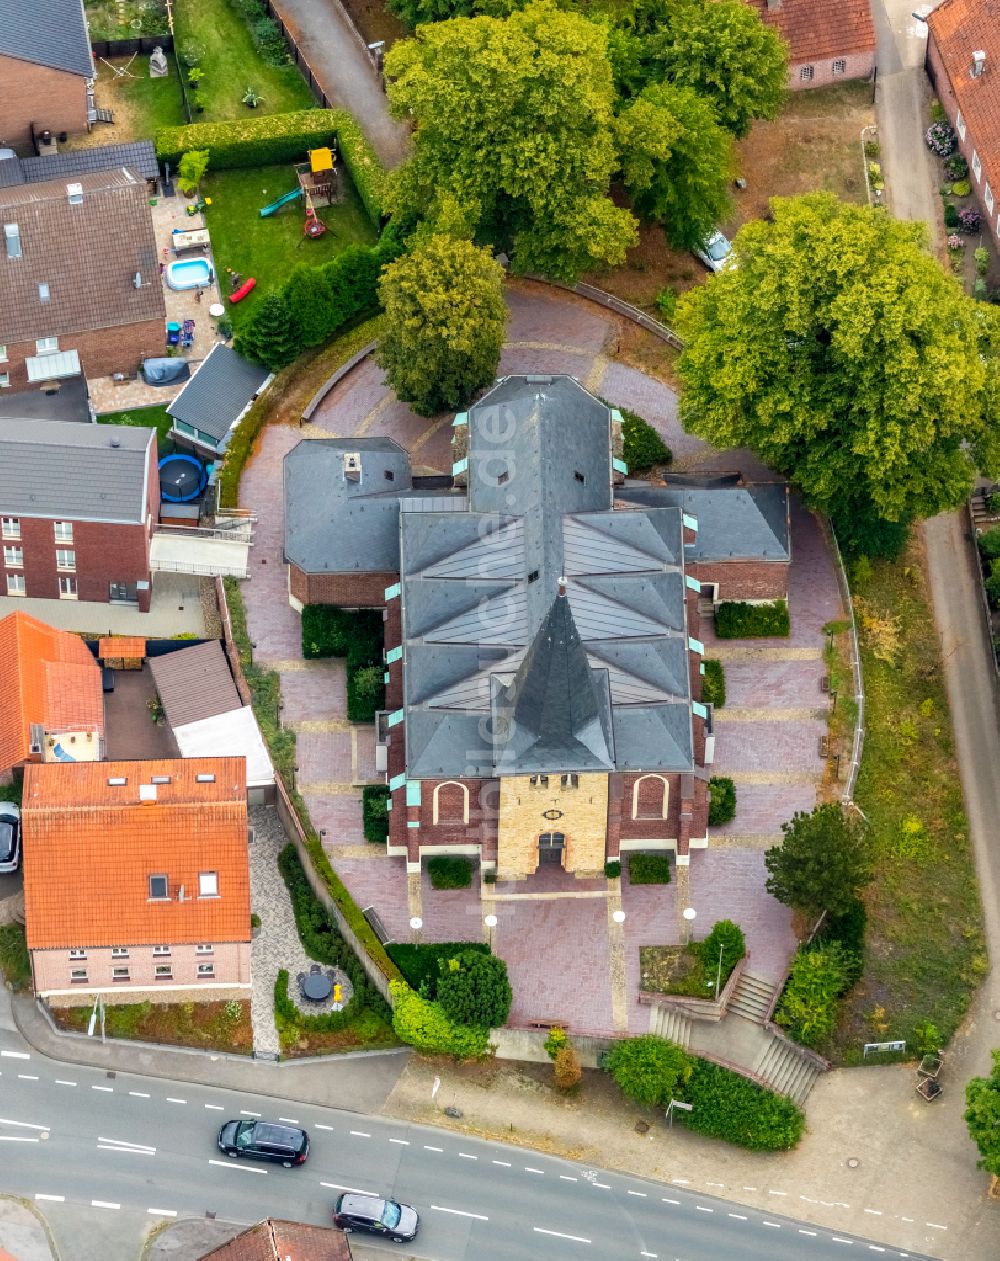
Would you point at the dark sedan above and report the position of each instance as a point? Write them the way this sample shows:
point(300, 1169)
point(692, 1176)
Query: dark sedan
point(375, 1216)
point(264, 1140)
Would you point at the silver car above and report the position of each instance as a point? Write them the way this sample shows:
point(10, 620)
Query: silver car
point(10, 837)
point(716, 253)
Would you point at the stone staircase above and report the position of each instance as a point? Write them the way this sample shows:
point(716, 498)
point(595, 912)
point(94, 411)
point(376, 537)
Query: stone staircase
point(670, 1023)
point(788, 1069)
point(752, 998)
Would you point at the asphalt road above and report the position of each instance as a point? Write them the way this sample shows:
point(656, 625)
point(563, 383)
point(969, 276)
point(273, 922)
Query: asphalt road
point(71, 1135)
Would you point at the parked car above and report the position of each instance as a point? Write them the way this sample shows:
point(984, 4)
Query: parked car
point(375, 1216)
point(265, 1140)
point(716, 252)
point(10, 837)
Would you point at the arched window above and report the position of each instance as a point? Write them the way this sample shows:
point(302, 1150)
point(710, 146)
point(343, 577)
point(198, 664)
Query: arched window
point(650, 797)
point(453, 805)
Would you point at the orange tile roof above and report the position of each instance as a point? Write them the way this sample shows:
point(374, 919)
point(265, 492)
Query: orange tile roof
point(47, 676)
point(817, 30)
point(272, 1240)
point(959, 28)
point(90, 848)
point(128, 646)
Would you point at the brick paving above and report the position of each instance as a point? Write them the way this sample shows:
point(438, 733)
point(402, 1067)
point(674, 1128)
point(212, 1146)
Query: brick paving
point(451, 914)
point(650, 920)
point(338, 817)
point(323, 757)
point(762, 808)
point(319, 692)
point(762, 746)
point(777, 684)
point(537, 313)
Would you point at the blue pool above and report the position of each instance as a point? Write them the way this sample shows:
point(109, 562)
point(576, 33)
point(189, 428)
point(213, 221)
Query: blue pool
point(189, 273)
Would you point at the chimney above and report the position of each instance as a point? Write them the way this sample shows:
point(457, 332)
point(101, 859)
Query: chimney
point(562, 586)
point(352, 466)
point(978, 64)
point(74, 193)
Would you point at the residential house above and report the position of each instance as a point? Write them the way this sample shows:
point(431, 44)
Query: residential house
point(78, 504)
point(963, 61)
point(53, 707)
point(215, 400)
point(273, 1240)
point(46, 69)
point(160, 908)
point(828, 40)
point(80, 276)
point(138, 156)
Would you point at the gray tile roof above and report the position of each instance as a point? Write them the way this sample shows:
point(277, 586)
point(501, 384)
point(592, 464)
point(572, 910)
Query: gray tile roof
point(87, 254)
point(139, 157)
point(734, 522)
point(74, 472)
point(195, 683)
point(11, 172)
point(221, 389)
point(48, 33)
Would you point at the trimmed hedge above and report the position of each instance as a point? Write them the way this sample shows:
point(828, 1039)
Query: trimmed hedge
point(642, 445)
point(424, 1025)
point(648, 868)
point(713, 683)
point(729, 1106)
point(449, 871)
point(735, 620)
point(375, 812)
point(419, 963)
point(352, 633)
point(721, 800)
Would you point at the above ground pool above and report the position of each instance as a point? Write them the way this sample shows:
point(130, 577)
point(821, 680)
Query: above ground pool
point(182, 478)
point(189, 273)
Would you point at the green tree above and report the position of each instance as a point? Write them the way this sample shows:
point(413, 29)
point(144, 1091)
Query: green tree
point(808, 1007)
point(841, 352)
point(271, 335)
point(822, 863)
point(649, 1069)
point(473, 989)
point(514, 137)
point(676, 161)
point(727, 937)
point(191, 169)
point(368, 682)
point(982, 1116)
point(445, 317)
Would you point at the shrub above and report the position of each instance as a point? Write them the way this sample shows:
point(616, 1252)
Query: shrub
point(613, 868)
point(448, 871)
point(969, 220)
point(993, 584)
point(326, 631)
point(255, 920)
point(666, 303)
point(375, 812)
point(418, 963)
point(982, 257)
point(713, 684)
point(941, 139)
point(848, 930)
point(642, 445)
point(473, 989)
point(937, 112)
point(824, 859)
point(728, 937)
point(356, 634)
point(14, 961)
point(808, 1006)
point(950, 215)
point(568, 1072)
point(424, 1025)
point(989, 542)
point(956, 167)
point(979, 291)
point(190, 53)
point(192, 168)
point(648, 868)
point(325, 298)
point(721, 801)
point(872, 149)
point(961, 188)
point(649, 1069)
point(555, 1042)
point(729, 1106)
point(735, 620)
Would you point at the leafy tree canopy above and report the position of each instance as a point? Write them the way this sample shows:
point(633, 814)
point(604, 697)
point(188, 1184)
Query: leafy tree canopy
point(823, 862)
point(841, 352)
point(649, 1069)
point(982, 1116)
point(271, 335)
point(445, 323)
point(473, 989)
point(514, 142)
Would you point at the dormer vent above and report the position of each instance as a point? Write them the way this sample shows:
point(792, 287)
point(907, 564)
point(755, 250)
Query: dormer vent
point(74, 194)
point(978, 64)
point(352, 466)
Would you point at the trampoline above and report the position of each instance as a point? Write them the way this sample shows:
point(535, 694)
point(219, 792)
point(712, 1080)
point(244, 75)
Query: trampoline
point(182, 478)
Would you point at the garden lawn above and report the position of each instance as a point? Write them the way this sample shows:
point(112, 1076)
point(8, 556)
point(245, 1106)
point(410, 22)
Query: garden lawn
point(232, 64)
point(268, 249)
point(144, 418)
point(209, 1026)
point(141, 105)
point(15, 965)
point(925, 953)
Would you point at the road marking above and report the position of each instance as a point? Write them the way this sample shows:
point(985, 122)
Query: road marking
point(400, 1142)
point(773, 1225)
point(528, 1169)
point(108, 1090)
point(172, 1100)
point(740, 1217)
point(18, 1138)
point(428, 1148)
point(559, 1235)
point(505, 1163)
point(214, 1107)
point(700, 1208)
point(640, 1194)
point(907, 1219)
point(837, 1239)
point(875, 1212)
point(935, 1226)
point(28, 1076)
point(746, 1188)
point(124, 1145)
point(777, 1192)
point(565, 1177)
point(103, 1204)
point(873, 1247)
point(715, 1184)
point(290, 1120)
point(244, 1113)
point(162, 1212)
point(467, 1156)
point(330, 1127)
point(26, 1125)
point(15, 1055)
point(336, 1186)
point(649, 1254)
point(604, 1186)
point(57, 1199)
point(362, 1134)
point(231, 1164)
point(139, 1094)
point(685, 1182)
point(61, 1082)
point(459, 1212)
point(807, 1232)
point(666, 1201)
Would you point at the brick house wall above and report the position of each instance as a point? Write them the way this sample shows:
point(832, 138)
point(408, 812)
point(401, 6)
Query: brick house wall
point(856, 66)
point(743, 580)
point(102, 351)
point(52, 99)
point(347, 591)
point(231, 962)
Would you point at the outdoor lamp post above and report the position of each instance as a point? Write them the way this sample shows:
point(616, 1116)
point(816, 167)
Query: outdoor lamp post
point(491, 922)
point(618, 917)
point(689, 914)
point(416, 924)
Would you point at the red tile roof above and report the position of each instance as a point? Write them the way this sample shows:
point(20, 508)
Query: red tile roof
point(821, 30)
point(130, 647)
point(47, 676)
point(271, 1240)
point(959, 28)
point(90, 847)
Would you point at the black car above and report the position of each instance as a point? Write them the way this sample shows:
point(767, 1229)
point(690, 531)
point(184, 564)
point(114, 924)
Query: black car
point(264, 1140)
point(375, 1216)
point(10, 837)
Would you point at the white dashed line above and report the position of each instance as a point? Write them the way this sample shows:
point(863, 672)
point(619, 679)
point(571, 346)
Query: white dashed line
point(18, 1138)
point(873, 1247)
point(528, 1169)
point(244, 1113)
point(214, 1107)
point(108, 1090)
point(666, 1201)
point(557, 1234)
point(907, 1219)
point(715, 1184)
point(773, 1225)
point(61, 1082)
point(290, 1120)
point(162, 1212)
point(565, 1177)
point(700, 1208)
point(362, 1134)
point(336, 1186)
point(640, 1194)
point(231, 1164)
point(604, 1186)
point(15, 1055)
point(467, 1156)
point(26, 1125)
point(777, 1192)
point(504, 1163)
point(935, 1226)
point(330, 1127)
point(28, 1076)
point(56, 1199)
point(811, 1233)
point(104, 1204)
point(459, 1212)
point(122, 1145)
point(875, 1212)
point(400, 1142)
point(170, 1099)
point(837, 1239)
point(649, 1254)
point(684, 1182)
point(746, 1188)
point(139, 1094)
point(428, 1148)
point(740, 1217)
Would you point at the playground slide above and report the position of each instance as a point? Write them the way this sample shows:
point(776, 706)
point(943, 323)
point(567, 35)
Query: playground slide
point(276, 205)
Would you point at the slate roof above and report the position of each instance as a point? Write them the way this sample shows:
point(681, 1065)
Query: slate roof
point(221, 389)
point(47, 33)
point(272, 1240)
point(959, 28)
point(137, 156)
point(734, 523)
point(129, 832)
point(821, 30)
point(47, 676)
point(87, 254)
point(73, 472)
point(194, 683)
point(486, 634)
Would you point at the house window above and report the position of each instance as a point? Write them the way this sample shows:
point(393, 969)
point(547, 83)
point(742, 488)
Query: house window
point(206, 969)
point(160, 950)
point(11, 528)
point(4, 380)
point(64, 531)
point(570, 781)
point(15, 584)
point(78, 976)
point(164, 972)
point(12, 236)
point(3, 354)
point(960, 124)
point(806, 73)
point(977, 165)
point(533, 576)
point(208, 884)
point(988, 197)
point(65, 558)
point(579, 476)
point(78, 953)
point(840, 66)
point(43, 291)
point(47, 346)
point(390, 476)
point(119, 974)
point(204, 949)
point(157, 891)
point(67, 587)
point(119, 952)
point(13, 557)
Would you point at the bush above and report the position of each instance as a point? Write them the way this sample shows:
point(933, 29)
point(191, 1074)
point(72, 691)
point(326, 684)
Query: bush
point(941, 139)
point(192, 168)
point(568, 1072)
point(473, 989)
point(728, 937)
point(848, 930)
point(613, 868)
point(424, 1025)
point(993, 584)
point(356, 634)
point(961, 188)
point(979, 290)
point(642, 445)
point(419, 963)
point(950, 215)
point(326, 298)
point(729, 1106)
point(713, 684)
point(956, 167)
point(190, 53)
point(989, 542)
point(375, 812)
point(982, 257)
point(666, 303)
point(808, 1006)
point(649, 1069)
point(969, 220)
point(721, 801)
point(735, 620)
point(862, 533)
point(555, 1042)
point(648, 868)
point(448, 871)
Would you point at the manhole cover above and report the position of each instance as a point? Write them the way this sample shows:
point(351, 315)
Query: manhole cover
point(853, 1162)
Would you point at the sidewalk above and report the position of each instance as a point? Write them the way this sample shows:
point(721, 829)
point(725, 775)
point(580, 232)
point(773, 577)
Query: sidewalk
point(23, 1233)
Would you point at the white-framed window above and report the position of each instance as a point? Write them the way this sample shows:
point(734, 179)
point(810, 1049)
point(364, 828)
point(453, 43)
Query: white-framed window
point(63, 531)
point(78, 952)
point(119, 952)
point(10, 527)
point(806, 73)
point(4, 380)
point(988, 198)
point(840, 66)
point(208, 884)
point(977, 165)
point(3, 354)
point(206, 969)
point(119, 974)
point(44, 293)
point(12, 237)
point(158, 889)
point(78, 976)
point(65, 558)
point(16, 584)
point(164, 972)
point(960, 124)
point(47, 346)
point(204, 949)
point(67, 587)
point(160, 950)
point(13, 557)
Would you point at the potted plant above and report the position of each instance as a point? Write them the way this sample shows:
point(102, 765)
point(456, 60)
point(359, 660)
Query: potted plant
point(195, 75)
point(251, 99)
